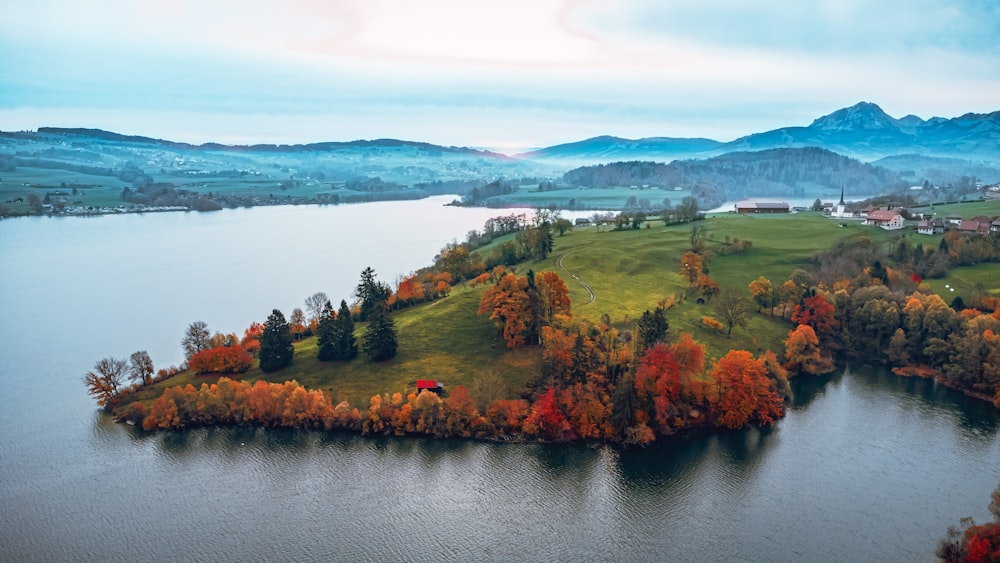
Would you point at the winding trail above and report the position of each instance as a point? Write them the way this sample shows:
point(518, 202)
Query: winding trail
point(593, 296)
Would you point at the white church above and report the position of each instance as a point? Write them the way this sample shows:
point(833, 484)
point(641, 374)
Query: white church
point(840, 211)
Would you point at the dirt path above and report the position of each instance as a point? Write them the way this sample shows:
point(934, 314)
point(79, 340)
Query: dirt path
point(593, 296)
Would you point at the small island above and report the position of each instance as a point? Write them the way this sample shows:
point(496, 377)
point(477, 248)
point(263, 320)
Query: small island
point(673, 327)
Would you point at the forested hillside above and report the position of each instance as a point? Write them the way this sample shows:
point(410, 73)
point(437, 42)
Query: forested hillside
point(805, 172)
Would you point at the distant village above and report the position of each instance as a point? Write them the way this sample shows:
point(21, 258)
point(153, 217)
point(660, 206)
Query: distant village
point(888, 218)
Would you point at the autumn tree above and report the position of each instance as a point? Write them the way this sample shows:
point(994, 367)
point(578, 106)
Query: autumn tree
point(380, 339)
point(297, 323)
point(803, 352)
point(816, 312)
point(692, 267)
point(744, 391)
point(140, 368)
point(734, 309)
point(708, 287)
point(763, 293)
point(104, 382)
point(276, 348)
point(974, 543)
point(509, 305)
point(553, 297)
point(222, 359)
point(196, 339)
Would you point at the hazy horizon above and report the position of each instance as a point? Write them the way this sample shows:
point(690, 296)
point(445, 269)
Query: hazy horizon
point(504, 76)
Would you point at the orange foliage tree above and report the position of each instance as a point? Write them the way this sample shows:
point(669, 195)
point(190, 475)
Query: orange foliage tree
point(226, 359)
point(509, 305)
point(743, 391)
point(803, 352)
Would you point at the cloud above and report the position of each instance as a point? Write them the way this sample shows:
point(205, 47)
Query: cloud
point(531, 71)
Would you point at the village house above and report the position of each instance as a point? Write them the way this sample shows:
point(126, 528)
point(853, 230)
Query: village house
point(746, 207)
point(930, 227)
point(995, 225)
point(886, 219)
point(974, 226)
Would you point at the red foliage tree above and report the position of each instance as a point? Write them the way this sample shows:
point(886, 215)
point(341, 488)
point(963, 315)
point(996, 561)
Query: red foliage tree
point(658, 384)
point(227, 359)
point(816, 312)
point(546, 418)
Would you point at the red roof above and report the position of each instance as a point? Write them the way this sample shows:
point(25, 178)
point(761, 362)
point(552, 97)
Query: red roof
point(882, 215)
point(428, 384)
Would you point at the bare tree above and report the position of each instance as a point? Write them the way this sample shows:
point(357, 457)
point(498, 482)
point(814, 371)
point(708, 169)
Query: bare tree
point(196, 339)
point(106, 379)
point(315, 304)
point(734, 308)
point(140, 367)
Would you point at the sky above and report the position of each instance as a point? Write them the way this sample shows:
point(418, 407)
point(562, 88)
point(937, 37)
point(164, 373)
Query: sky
point(502, 74)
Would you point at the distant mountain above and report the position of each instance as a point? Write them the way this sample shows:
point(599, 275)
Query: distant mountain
point(102, 135)
point(863, 130)
point(617, 148)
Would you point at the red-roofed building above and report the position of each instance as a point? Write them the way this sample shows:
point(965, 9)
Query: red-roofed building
point(975, 226)
point(430, 385)
point(888, 220)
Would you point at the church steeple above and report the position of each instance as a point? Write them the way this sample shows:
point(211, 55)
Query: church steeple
point(841, 202)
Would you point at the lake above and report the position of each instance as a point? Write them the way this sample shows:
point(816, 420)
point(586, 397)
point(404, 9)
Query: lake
point(866, 466)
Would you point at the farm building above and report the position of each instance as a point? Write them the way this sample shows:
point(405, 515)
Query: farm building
point(888, 220)
point(974, 226)
point(745, 207)
point(930, 227)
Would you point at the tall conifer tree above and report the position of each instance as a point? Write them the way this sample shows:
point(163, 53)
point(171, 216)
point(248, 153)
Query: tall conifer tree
point(380, 340)
point(276, 348)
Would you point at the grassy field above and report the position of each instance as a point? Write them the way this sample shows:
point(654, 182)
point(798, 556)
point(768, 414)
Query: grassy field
point(962, 282)
point(968, 209)
point(629, 271)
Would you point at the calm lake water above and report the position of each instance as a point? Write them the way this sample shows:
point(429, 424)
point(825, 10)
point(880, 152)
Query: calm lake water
point(866, 466)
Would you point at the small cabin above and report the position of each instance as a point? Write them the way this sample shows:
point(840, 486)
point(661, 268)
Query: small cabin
point(431, 385)
point(582, 221)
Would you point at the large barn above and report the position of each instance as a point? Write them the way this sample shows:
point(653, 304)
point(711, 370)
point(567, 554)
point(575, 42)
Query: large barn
point(744, 207)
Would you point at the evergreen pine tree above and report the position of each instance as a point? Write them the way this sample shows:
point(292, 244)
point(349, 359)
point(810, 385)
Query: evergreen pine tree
point(380, 339)
point(326, 331)
point(371, 293)
point(345, 347)
point(653, 328)
point(276, 343)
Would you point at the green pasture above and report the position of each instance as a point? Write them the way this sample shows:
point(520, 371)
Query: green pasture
point(966, 209)
point(629, 272)
point(963, 281)
point(92, 190)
